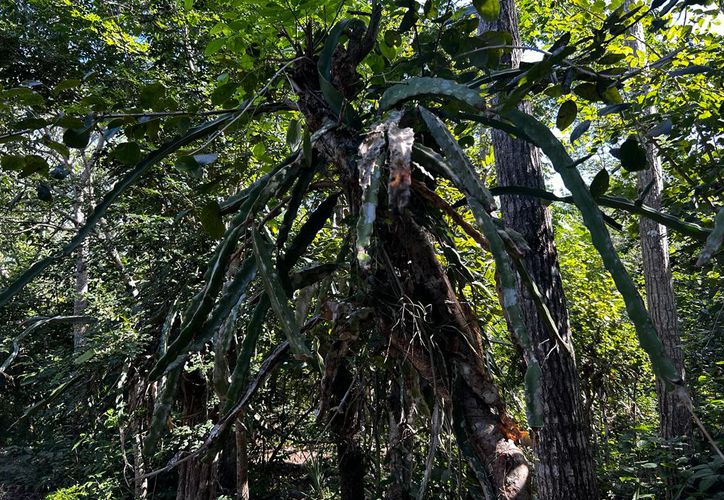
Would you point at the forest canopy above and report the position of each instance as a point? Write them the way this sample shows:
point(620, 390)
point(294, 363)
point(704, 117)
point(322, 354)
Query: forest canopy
point(361, 249)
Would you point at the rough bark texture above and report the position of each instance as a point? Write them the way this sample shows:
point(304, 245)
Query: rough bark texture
point(565, 462)
point(444, 348)
point(83, 197)
point(242, 459)
point(196, 477)
point(339, 405)
point(460, 357)
point(399, 460)
point(674, 419)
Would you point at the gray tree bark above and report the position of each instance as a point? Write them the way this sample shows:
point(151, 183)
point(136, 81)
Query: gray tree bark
point(565, 468)
point(83, 197)
point(674, 419)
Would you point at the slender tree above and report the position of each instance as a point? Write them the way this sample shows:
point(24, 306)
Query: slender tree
point(674, 418)
point(565, 468)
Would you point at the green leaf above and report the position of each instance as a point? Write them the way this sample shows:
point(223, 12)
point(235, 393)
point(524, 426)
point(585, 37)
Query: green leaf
point(128, 153)
point(566, 115)
point(587, 91)
point(330, 44)
point(226, 307)
point(694, 69)
point(612, 96)
point(298, 192)
point(277, 297)
point(714, 241)
point(100, 209)
point(613, 108)
point(151, 95)
point(33, 164)
point(600, 183)
point(294, 134)
point(86, 356)
point(43, 192)
point(12, 162)
point(211, 221)
point(307, 148)
point(309, 230)
point(633, 155)
point(428, 86)
point(189, 165)
point(65, 85)
point(243, 359)
point(214, 46)
point(580, 129)
point(161, 409)
point(488, 9)
point(77, 138)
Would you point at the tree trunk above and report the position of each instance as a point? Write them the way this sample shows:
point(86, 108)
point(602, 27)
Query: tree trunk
point(80, 302)
point(459, 359)
point(339, 405)
point(242, 459)
point(565, 468)
point(450, 359)
point(674, 419)
point(198, 476)
point(399, 445)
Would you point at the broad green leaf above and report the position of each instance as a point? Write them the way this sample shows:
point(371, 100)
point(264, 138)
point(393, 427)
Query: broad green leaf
point(277, 297)
point(151, 95)
point(65, 85)
point(587, 91)
point(612, 96)
point(189, 165)
point(633, 155)
point(34, 164)
point(211, 221)
point(214, 46)
point(488, 9)
point(43, 192)
point(243, 360)
point(12, 162)
point(128, 153)
point(428, 86)
point(77, 138)
point(566, 115)
point(580, 129)
point(294, 134)
point(600, 183)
